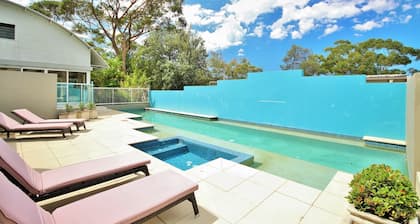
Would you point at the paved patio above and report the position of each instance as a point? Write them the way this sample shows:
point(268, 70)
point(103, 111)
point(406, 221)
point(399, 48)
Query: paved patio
point(228, 192)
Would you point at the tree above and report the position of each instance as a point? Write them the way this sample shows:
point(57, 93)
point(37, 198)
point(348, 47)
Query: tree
point(116, 23)
point(294, 57)
point(172, 59)
point(312, 65)
point(219, 69)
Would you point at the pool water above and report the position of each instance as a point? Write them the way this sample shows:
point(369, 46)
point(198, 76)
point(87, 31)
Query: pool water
point(185, 153)
point(283, 151)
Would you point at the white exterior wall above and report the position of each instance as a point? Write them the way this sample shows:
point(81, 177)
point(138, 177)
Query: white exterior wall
point(40, 43)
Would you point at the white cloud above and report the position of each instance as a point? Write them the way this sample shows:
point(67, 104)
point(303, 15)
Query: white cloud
point(380, 6)
point(196, 15)
point(241, 52)
point(358, 35)
point(23, 2)
point(418, 6)
point(331, 28)
point(367, 26)
point(258, 30)
point(406, 7)
point(386, 20)
point(407, 19)
point(229, 33)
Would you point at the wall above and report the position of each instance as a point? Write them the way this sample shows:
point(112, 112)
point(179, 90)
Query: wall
point(34, 91)
point(40, 43)
point(413, 125)
point(343, 105)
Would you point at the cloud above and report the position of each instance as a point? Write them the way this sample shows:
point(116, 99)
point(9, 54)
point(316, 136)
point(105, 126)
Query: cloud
point(331, 28)
point(23, 2)
point(407, 19)
point(406, 7)
point(367, 26)
point(241, 52)
point(229, 33)
point(258, 30)
point(196, 15)
point(418, 6)
point(380, 6)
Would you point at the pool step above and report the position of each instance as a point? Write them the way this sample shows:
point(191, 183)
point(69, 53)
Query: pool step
point(170, 151)
point(154, 144)
point(161, 149)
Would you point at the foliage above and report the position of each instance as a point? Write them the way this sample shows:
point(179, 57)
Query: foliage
point(111, 76)
point(171, 59)
point(385, 192)
point(69, 108)
point(219, 69)
point(82, 106)
point(114, 23)
point(91, 106)
point(371, 57)
point(295, 57)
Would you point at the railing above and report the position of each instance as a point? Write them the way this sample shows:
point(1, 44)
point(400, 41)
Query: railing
point(74, 93)
point(110, 95)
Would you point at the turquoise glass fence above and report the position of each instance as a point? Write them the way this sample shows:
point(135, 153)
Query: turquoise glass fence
point(340, 105)
point(74, 93)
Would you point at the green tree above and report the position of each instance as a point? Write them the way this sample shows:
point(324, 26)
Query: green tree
point(312, 65)
point(114, 23)
point(295, 57)
point(172, 59)
point(219, 69)
point(111, 76)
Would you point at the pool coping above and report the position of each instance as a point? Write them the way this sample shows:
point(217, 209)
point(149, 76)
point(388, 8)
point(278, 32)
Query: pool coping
point(203, 116)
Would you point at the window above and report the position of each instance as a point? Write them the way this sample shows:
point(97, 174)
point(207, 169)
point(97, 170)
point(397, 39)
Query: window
point(61, 75)
point(77, 77)
point(7, 31)
point(33, 70)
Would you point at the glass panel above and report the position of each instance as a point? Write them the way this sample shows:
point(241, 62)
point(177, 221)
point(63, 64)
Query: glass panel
point(7, 31)
point(77, 77)
point(61, 92)
point(61, 75)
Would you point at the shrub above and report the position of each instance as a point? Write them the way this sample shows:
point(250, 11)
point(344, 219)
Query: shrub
point(82, 106)
point(69, 108)
point(385, 192)
point(91, 106)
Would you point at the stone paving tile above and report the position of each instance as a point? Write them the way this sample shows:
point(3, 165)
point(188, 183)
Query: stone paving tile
point(299, 191)
point(332, 203)
point(317, 215)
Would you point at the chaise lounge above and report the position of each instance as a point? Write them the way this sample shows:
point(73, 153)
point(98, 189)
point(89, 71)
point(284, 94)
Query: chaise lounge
point(32, 118)
point(51, 183)
point(9, 125)
point(135, 201)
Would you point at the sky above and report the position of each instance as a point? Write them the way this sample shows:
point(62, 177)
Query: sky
point(264, 30)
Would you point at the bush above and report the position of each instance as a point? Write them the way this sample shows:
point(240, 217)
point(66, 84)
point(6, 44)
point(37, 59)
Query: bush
point(385, 192)
point(82, 106)
point(69, 108)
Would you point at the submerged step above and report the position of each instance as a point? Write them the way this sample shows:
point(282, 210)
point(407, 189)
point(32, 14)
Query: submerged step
point(170, 151)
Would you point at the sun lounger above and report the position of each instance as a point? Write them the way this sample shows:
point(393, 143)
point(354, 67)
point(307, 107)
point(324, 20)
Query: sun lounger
point(10, 125)
point(32, 118)
point(135, 201)
point(50, 183)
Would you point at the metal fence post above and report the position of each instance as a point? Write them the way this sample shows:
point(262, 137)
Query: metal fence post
point(112, 98)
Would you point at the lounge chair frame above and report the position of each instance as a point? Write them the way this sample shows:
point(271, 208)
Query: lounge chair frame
point(63, 131)
point(77, 186)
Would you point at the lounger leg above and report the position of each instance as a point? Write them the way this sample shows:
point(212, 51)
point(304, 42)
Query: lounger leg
point(84, 125)
point(71, 132)
point(145, 170)
point(77, 126)
point(191, 198)
point(8, 134)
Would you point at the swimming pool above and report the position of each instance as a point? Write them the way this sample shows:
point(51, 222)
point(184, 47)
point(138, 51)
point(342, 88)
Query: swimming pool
point(185, 153)
point(307, 159)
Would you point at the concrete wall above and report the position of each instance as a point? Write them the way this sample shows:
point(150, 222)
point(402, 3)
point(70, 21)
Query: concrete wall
point(340, 105)
point(40, 42)
point(34, 91)
point(413, 125)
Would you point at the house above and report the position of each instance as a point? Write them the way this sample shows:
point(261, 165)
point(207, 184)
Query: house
point(31, 44)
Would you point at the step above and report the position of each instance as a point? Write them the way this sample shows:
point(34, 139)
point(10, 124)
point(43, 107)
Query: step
point(166, 148)
point(170, 151)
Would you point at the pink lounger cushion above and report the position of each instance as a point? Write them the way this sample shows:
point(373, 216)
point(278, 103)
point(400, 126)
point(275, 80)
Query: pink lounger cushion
point(11, 125)
point(129, 202)
point(124, 204)
point(76, 173)
point(30, 117)
point(47, 181)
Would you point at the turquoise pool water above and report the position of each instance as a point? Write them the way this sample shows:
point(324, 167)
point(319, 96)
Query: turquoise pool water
point(344, 157)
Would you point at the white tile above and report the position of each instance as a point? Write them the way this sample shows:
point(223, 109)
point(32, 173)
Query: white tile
point(332, 203)
point(317, 215)
point(221, 163)
point(277, 208)
point(225, 181)
point(338, 188)
point(299, 191)
point(252, 191)
point(241, 171)
point(343, 177)
point(268, 180)
point(203, 171)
